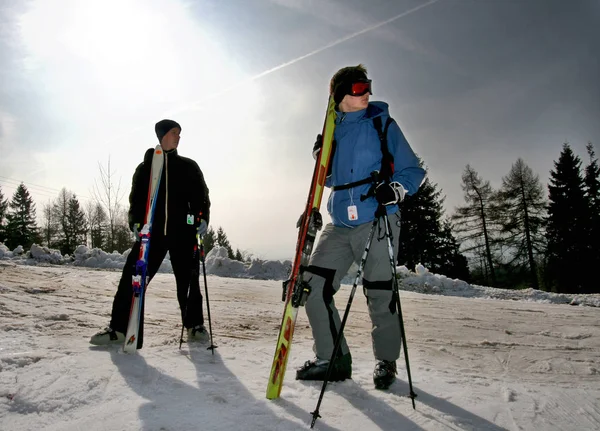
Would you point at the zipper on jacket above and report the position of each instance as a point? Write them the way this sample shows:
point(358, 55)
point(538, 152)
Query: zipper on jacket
point(166, 191)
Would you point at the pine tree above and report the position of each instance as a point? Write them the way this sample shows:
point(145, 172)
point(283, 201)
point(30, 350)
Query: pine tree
point(423, 235)
point(72, 222)
point(473, 222)
point(209, 240)
point(592, 193)
point(21, 228)
point(3, 214)
point(566, 225)
point(455, 264)
point(419, 226)
point(224, 242)
point(238, 255)
point(77, 222)
point(521, 212)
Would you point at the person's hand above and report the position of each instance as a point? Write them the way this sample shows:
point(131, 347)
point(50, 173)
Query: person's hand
point(300, 220)
point(317, 220)
point(317, 146)
point(390, 193)
point(202, 228)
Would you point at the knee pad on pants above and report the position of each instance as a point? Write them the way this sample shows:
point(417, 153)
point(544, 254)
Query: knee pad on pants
point(379, 289)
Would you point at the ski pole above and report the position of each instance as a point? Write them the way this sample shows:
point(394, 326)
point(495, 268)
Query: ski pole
point(212, 345)
point(396, 292)
point(338, 340)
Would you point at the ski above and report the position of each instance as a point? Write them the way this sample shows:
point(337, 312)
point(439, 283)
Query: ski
point(140, 278)
point(295, 290)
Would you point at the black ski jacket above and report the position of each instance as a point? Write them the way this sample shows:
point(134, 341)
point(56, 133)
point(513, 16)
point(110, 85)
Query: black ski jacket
point(182, 192)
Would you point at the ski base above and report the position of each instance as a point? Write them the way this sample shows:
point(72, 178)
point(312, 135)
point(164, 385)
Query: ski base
point(296, 290)
point(282, 354)
point(139, 279)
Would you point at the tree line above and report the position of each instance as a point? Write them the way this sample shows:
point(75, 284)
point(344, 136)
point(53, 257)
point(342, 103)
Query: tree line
point(516, 236)
point(66, 223)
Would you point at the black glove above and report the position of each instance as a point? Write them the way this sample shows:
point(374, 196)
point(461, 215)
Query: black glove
point(317, 220)
point(390, 193)
point(317, 146)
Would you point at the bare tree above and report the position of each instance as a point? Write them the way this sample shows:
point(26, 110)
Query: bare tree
point(97, 221)
point(3, 214)
point(474, 220)
point(49, 226)
point(108, 194)
point(123, 237)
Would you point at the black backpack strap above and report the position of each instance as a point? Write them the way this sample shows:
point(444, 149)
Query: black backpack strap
point(377, 124)
point(346, 186)
point(387, 160)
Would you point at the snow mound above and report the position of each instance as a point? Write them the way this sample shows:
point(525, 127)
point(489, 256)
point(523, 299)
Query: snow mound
point(5, 253)
point(97, 258)
point(270, 269)
point(45, 254)
point(421, 280)
point(217, 263)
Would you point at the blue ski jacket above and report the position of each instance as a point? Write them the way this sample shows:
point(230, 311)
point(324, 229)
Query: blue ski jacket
point(357, 154)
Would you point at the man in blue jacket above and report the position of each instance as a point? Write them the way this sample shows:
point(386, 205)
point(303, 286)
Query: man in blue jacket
point(358, 152)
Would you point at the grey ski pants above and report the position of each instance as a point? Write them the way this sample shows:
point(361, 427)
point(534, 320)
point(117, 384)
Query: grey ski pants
point(337, 248)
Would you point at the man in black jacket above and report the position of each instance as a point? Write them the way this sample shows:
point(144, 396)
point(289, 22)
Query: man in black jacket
point(182, 200)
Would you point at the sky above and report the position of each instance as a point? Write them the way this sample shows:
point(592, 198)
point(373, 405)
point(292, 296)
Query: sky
point(480, 358)
point(478, 82)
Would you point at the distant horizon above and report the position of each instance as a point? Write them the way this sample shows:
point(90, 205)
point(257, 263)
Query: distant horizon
point(544, 181)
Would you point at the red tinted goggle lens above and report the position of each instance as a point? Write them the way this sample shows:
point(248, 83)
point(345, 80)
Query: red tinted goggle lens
point(360, 88)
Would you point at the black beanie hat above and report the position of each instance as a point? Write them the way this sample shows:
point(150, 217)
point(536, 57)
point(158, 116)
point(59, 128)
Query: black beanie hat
point(162, 128)
point(342, 81)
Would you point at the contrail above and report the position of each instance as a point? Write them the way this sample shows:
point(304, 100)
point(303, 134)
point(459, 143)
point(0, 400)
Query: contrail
point(296, 60)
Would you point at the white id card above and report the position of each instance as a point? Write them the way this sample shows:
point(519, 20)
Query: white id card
point(352, 212)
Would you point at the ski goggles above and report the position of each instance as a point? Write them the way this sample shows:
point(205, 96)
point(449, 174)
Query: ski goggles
point(360, 88)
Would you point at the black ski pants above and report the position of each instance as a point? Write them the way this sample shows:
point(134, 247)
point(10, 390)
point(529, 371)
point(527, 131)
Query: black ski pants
point(181, 252)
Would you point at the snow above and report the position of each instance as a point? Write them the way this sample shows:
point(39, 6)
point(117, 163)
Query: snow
point(481, 358)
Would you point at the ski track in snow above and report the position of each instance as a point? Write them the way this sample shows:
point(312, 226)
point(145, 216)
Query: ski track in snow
point(477, 364)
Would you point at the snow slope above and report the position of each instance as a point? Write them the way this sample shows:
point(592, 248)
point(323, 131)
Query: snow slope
point(477, 364)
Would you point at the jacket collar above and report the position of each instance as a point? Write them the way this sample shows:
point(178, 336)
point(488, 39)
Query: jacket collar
point(371, 111)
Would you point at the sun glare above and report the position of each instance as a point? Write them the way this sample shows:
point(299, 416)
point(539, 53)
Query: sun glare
point(132, 46)
point(108, 70)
